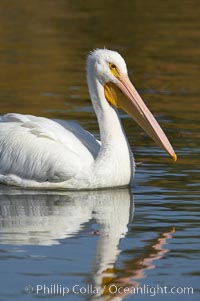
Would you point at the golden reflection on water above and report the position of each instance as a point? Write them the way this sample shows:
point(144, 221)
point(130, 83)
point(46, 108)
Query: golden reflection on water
point(43, 49)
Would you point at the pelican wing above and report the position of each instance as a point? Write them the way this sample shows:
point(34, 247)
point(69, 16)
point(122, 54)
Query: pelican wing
point(41, 149)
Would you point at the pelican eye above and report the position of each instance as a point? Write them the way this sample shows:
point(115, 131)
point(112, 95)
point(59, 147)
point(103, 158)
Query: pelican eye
point(114, 69)
point(112, 66)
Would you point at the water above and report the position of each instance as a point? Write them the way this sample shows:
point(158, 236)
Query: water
point(147, 236)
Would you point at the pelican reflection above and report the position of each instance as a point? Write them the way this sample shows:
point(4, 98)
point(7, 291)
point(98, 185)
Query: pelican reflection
point(41, 218)
point(48, 218)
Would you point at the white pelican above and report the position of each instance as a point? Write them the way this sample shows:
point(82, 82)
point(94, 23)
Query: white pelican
point(42, 153)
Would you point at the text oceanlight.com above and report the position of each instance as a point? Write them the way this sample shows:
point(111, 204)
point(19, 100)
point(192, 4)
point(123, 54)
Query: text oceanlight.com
point(62, 290)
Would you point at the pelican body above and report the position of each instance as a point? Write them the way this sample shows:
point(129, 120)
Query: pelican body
point(37, 152)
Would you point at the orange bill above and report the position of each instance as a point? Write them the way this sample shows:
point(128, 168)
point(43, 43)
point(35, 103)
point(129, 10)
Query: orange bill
point(123, 95)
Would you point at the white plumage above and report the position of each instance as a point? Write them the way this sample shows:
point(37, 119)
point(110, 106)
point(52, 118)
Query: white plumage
point(37, 151)
point(43, 153)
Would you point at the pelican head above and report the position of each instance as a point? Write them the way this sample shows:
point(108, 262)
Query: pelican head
point(109, 70)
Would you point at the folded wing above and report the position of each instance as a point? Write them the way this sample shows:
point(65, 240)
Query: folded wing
point(41, 149)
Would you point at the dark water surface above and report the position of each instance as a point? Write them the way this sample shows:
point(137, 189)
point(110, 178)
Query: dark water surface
point(98, 238)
